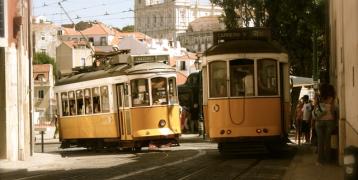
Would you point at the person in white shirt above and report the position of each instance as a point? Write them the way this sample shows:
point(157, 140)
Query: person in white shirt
point(306, 118)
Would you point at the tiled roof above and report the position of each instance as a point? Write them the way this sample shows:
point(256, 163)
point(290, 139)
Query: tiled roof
point(41, 68)
point(186, 56)
point(43, 26)
point(205, 23)
point(73, 44)
point(95, 29)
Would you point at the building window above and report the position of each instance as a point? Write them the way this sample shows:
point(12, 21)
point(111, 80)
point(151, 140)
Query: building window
point(43, 38)
point(41, 94)
point(103, 41)
point(2, 19)
point(59, 32)
point(91, 39)
point(182, 66)
point(83, 62)
point(43, 51)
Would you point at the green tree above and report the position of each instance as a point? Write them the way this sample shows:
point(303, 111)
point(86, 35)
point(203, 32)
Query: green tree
point(43, 58)
point(129, 28)
point(292, 24)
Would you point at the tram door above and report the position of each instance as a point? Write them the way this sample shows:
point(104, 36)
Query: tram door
point(122, 108)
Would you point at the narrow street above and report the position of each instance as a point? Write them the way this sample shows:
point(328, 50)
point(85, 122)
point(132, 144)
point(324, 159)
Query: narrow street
point(193, 159)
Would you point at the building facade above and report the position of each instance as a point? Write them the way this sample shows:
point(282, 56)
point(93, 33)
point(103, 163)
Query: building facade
point(164, 19)
point(44, 98)
point(343, 68)
point(199, 35)
point(15, 80)
point(73, 54)
point(45, 39)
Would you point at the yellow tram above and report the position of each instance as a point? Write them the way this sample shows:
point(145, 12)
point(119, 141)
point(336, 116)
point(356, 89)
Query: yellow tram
point(245, 91)
point(128, 105)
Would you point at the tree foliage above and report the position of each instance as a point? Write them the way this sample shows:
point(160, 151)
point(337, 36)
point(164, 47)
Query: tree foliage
point(292, 23)
point(129, 28)
point(43, 58)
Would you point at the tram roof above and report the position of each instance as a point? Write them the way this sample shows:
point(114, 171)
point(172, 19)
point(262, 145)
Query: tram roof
point(245, 46)
point(123, 69)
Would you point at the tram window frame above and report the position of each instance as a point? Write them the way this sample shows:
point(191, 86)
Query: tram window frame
point(72, 103)
point(172, 91)
point(159, 91)
point(105, 99)
point(270, 88)
point(96, 100)
point(64, 104)
point(136, 92)
point(88, 101)
point(126, 95)
point(218, 86)
point(241, 84)
point(80, 102)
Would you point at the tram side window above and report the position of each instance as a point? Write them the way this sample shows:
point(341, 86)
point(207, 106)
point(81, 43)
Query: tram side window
point(96, 100)
point(159, 90)
point(242, 77)
point(217, 73)
point(80, 103)
point(140, 93)
point(173, 98)
point(104, 99)
point(88, 101)
point(64, 100)
point(267, 77)
point(72, 103)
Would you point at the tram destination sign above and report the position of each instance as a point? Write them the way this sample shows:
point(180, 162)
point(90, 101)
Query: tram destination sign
point(242, 34)
point(148, 59)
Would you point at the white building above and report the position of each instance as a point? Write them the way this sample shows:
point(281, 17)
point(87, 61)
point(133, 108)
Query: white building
point(45, 39)
point(343, 68)
point(73, 54)
point(199, 35)
point(164, 19)
point(102, 37)
point(44, 99)
point(15, 80)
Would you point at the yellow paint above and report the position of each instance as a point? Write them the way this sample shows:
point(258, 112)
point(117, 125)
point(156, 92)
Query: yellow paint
point(243, 117)
point(147, 120)
point(94, 126)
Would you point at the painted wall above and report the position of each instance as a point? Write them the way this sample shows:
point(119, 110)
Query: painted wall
point(15, 84)
point(343, 68)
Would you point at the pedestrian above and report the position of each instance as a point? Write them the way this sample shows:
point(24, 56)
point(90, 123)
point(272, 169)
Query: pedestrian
point(56, 126)
point(325, 121)
point(298, 121)
point(306, 118)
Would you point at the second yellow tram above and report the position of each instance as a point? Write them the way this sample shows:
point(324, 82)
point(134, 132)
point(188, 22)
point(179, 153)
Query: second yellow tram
point(245, 91)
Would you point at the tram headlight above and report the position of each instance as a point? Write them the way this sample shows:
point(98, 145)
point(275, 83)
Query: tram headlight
point(162, 123)
point(258, 130)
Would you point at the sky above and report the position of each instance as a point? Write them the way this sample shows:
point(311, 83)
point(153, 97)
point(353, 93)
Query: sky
point(116, 13)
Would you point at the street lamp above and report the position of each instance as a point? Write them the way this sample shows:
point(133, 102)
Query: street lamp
point(197, 62)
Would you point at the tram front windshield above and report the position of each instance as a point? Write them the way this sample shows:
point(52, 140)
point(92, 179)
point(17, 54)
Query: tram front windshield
point(163, 91)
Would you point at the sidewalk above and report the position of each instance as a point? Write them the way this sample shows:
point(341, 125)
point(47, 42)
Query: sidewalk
point(303, 167)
